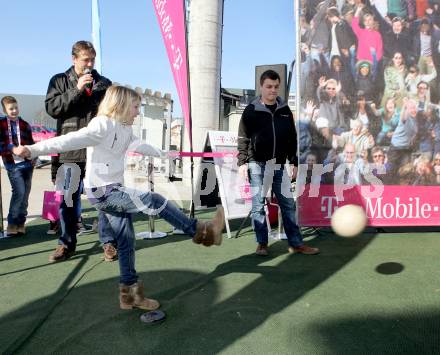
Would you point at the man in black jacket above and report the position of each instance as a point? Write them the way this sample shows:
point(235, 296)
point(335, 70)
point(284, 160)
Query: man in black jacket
point(266, 139)
point(72, 99)
point(342, 37)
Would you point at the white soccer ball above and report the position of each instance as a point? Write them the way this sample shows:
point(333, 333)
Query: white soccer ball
point(349, 221)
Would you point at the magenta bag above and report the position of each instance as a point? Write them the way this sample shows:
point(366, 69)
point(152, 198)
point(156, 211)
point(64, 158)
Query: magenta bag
point(51, 205)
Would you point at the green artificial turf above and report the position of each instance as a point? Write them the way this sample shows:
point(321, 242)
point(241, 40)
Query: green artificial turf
point(373, 294)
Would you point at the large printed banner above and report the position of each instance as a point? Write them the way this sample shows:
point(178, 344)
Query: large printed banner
point(369, 115)
point(171, 17)
point(396, 206)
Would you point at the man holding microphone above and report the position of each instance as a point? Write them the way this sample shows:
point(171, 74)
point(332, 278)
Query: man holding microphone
point(72, 99)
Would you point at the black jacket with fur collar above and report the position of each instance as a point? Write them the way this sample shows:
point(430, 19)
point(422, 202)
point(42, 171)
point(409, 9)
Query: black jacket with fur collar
point(263, 136)
point(73, 109)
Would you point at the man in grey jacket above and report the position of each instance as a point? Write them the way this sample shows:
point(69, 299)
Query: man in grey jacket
point(72, 99)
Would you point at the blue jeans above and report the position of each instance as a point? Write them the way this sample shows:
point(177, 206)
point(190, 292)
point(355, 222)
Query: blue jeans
point(21, 181)
point(70, 211)
point(70, 205)
point(262, 176)
point(105, 230)
point(117, 204)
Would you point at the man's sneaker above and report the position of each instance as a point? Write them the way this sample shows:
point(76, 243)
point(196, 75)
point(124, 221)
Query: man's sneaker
point(110, 252)
point(262, 250)
point(54, 227)
point(303, 249)
point(61, 253)
point(11, 231)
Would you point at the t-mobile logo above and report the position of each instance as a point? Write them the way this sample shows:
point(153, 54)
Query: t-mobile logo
point(328, 205)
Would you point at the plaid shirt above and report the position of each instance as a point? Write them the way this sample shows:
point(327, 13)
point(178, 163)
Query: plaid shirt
point(5, 144)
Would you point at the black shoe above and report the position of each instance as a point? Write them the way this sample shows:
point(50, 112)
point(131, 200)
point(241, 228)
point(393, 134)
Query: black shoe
point(54, 227)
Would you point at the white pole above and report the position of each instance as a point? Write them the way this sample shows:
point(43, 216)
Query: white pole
point(153, 233)
point(204, 53)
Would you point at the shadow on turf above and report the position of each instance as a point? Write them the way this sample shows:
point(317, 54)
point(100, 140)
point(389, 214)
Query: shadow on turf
point(36, 232)
point(415, 332)
point(95, 249)
point(201, 317)
point(45, 251)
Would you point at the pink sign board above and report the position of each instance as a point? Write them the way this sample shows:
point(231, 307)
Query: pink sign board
point(395, 206)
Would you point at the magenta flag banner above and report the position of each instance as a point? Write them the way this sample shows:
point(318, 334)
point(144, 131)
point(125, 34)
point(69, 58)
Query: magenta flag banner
point(171, 17)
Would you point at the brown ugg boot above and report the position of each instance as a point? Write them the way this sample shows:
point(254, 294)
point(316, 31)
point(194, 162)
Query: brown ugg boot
point(133, 297)
point(209, 233)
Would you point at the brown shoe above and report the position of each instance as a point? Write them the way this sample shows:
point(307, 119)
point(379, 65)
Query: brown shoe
point(11, 230)
point(133, 297)
point(303, 249)
point(21, 229)
point(110, 252)
point(262, 250)
point(209, 233)
point(61, 253)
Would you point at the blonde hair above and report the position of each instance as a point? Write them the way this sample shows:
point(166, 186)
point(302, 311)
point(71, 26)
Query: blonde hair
point(117, 102)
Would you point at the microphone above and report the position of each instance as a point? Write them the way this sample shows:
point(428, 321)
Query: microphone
point(88, 86)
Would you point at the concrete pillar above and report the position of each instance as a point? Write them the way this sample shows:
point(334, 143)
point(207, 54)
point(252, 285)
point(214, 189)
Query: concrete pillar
point(204, 51)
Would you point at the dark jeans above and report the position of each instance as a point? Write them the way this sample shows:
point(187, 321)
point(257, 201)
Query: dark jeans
point(70, 205)
point(105, 230)
point(21, 181)
point(117, 204)
point(265, 175)
point(70, 210)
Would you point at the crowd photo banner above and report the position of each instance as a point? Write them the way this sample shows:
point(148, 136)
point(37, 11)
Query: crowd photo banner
point(368, 111)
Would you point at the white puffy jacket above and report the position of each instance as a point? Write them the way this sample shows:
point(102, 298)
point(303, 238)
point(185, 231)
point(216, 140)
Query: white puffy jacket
point(106, 141)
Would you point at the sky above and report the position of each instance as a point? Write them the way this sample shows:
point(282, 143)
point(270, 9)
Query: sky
point(37, 38)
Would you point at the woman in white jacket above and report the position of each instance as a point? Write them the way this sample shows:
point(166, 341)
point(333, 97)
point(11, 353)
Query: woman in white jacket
point(107, 138)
